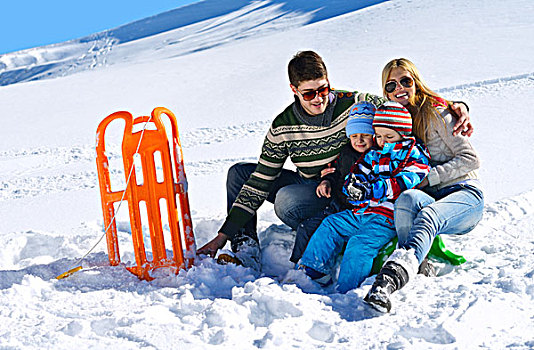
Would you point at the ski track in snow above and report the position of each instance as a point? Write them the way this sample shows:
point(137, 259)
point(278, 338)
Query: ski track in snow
point(20, 181)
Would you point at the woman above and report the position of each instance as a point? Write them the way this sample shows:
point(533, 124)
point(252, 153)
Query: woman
point(448, 201)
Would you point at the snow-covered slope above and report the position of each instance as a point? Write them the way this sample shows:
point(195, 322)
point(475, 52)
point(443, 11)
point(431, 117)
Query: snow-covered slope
point(195, 27)
point(220, 66)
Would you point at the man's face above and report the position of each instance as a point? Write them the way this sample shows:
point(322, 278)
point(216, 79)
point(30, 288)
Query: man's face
point(318, 104)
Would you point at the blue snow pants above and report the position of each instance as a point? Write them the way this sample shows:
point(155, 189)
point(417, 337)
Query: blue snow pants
point(364, 234)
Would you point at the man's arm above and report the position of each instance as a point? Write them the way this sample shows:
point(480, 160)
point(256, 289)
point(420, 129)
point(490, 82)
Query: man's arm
point(252, 195)
point(214, 245)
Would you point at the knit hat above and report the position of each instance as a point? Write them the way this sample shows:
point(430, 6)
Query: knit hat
point(393, 115)
point(361, 119)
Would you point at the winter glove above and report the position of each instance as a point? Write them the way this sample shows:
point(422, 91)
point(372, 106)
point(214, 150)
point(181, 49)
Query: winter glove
point(357, 189)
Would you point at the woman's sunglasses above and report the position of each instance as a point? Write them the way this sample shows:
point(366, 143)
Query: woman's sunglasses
point(390, 86)
point(310, 95)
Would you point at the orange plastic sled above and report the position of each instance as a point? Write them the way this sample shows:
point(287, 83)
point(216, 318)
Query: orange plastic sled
point(144, 144)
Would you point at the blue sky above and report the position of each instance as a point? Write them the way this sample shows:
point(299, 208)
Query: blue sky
point(30, 23)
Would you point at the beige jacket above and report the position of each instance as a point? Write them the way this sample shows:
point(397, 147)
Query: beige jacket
point(453, 158)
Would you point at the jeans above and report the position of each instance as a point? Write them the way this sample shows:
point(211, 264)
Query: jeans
point(419, 217)
point(293, 196)
point(306, 229)
point(364, 234)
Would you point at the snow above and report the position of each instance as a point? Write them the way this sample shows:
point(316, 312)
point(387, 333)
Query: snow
point(220, 66)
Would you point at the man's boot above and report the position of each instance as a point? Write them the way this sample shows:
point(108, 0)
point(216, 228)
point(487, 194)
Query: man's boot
point(246, 252)
point(400, 267)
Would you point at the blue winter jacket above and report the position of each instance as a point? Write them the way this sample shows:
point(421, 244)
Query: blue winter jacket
point(390, 171)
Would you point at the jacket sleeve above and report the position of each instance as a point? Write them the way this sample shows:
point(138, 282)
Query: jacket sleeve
point(391, 188)
point(416, 169)
point(256, 190)
point(465, 158)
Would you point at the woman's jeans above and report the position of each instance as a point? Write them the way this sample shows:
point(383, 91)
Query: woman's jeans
point(294, 197)
point(419, 217)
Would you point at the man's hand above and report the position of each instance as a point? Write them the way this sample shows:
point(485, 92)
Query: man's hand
point(214, 245)
point(463, 124)
point(324, 189)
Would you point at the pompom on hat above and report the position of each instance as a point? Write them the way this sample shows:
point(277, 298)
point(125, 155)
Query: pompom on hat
point(360, 119)
point(395, 116)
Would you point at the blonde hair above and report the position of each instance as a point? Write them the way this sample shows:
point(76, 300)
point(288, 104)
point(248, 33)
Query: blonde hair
point(422, 105)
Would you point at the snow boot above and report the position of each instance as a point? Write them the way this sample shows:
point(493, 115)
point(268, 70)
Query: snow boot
point(323, 279)
point(246, 252)
point(400, 267)
point(427, 268)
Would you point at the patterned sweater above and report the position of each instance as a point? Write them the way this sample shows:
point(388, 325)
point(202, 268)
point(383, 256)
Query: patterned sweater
point(309, 146)
point(390, 171)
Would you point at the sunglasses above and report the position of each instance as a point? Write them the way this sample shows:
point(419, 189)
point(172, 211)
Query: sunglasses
point(390, 86)
point(310, 95)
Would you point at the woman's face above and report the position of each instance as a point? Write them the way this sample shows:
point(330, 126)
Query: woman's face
point(404, 86)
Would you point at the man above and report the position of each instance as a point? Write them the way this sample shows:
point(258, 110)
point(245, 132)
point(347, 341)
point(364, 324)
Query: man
point(311, 132)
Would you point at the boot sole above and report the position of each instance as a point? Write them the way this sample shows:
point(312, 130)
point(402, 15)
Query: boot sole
point(378, 304)
point(225, 259)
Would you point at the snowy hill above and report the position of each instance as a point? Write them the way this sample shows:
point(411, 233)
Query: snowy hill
point(196, 27)
point(220, 66)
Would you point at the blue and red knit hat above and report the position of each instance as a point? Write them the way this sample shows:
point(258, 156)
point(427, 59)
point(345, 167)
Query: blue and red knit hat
point(393, 115)
point(360, 119)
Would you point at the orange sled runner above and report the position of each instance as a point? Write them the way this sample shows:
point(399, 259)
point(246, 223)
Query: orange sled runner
point(144, 187)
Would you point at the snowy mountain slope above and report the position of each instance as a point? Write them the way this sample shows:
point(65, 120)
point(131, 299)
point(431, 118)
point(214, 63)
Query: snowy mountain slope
point(195, 27)
point(225, 98)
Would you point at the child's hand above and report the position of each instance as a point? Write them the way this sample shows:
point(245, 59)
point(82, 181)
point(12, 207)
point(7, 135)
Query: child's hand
point(324, 189)
point(423, 183)
point(327, 171)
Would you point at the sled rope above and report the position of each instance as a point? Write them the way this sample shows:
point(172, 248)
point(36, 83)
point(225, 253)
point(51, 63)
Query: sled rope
point(76, 264)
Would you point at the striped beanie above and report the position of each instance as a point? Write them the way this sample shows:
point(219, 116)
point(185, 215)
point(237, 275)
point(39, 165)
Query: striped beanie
point(360, 119)
point(393, 115)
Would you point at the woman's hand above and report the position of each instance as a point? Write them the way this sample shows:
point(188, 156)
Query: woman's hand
point(324, 189)
point(463, 124)
point(214, 245)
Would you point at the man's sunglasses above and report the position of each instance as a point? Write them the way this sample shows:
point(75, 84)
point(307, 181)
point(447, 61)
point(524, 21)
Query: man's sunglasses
point(310, 95)
point(390, 86)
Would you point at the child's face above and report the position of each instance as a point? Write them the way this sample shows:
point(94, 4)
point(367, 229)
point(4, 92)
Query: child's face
point(386, 135)
point(361, 142)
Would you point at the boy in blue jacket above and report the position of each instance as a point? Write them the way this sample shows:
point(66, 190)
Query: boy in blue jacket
point(372, 186)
